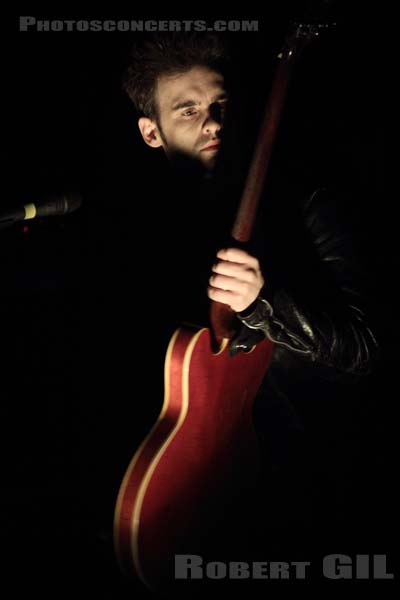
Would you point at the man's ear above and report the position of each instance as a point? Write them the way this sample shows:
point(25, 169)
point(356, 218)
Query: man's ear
point(150, 133)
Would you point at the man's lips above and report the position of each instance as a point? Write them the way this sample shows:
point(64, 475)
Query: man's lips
point(213, 146)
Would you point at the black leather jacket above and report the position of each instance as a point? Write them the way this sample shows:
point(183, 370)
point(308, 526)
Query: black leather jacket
point(315, 305)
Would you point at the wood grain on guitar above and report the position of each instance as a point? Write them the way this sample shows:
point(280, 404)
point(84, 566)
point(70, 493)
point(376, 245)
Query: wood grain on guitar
point(176, 487)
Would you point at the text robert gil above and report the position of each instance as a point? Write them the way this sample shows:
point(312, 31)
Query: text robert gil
point(334, 566)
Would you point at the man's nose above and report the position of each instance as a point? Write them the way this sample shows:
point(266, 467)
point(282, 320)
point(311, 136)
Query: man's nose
point(213, 121)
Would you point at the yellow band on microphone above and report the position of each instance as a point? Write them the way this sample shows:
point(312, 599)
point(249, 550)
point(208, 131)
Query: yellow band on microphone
point(30, 211)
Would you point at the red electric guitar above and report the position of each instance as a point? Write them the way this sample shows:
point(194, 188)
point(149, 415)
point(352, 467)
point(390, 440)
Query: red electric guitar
point(201, 455)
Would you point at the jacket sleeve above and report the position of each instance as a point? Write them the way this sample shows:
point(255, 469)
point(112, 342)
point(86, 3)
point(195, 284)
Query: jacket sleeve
point(333, 329)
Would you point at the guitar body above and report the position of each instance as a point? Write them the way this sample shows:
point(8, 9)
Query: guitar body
point(188, 471)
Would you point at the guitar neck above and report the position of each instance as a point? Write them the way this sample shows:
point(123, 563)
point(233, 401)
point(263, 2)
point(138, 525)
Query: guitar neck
point(296, 40)
point(246, 214)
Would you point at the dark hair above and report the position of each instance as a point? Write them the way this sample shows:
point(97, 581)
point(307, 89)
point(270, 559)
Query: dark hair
point(168, 54)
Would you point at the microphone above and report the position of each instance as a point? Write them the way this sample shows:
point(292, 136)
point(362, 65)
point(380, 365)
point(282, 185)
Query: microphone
point(53, 205)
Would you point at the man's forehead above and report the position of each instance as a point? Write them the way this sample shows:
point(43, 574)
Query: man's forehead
point(188, 85)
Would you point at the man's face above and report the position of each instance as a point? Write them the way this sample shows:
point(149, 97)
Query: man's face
point(191, 108)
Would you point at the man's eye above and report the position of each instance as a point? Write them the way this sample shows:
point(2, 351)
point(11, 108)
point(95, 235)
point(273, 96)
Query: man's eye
point(189, 113)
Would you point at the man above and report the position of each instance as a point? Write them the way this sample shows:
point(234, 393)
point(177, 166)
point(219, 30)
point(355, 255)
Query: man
point(177, 86)
point(302, 288)
point(181, 94)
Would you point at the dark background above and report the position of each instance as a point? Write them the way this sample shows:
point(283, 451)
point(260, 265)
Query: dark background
point(69, 126)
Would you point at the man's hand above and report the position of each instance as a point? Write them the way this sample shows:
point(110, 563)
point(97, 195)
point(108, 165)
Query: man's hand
point(236, 280)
